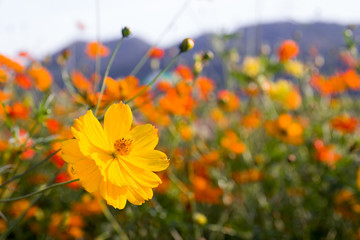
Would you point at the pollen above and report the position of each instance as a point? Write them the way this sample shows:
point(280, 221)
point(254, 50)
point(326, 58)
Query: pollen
point(123, 146)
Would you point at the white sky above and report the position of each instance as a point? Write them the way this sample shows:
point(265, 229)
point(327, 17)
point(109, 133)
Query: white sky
point(44, 26)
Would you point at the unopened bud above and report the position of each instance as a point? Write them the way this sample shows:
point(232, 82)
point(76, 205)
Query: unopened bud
point(200, 218)
point(125, 32)
point(208, 55)
point(186, 45)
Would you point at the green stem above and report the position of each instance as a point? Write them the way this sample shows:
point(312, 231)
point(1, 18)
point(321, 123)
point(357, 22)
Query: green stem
point(107, 73)
point(154, 80)
point(116, 226)
point(37, 192)
point(29, 170)
point(141, 62)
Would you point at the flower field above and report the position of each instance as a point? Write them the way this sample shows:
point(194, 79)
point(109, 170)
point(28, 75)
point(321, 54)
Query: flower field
point(272, 153)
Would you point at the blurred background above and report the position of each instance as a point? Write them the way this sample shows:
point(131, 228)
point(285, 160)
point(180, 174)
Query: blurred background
point(43, 29)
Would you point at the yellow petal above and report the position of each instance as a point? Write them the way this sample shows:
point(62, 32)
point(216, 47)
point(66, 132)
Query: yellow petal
point(152, 160)
point(143, 177)
point(95, 134)
point(114, 195)
point(117, 122)
point(117, 176)
point(102, 160)
point(77, 127)
point(89, 174)
point(145, 137)
point(71, 152)
point(134, 197)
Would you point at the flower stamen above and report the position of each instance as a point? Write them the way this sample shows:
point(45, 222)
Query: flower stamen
point(123, 146)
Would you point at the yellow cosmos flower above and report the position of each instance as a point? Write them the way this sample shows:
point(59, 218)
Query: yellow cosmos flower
point(115, 161)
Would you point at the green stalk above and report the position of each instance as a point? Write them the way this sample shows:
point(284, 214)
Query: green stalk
point(107, 73)
point(115, 225)
point(37, 192)
point(154, 80)
point(29, 170)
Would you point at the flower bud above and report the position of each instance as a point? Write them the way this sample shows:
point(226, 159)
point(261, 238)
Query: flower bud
point(200, 218)
point(186, 45)
point(208, 55)
point(125, 32)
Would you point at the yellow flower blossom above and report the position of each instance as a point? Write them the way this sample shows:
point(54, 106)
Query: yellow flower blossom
point(115, 161)
point(251, 66)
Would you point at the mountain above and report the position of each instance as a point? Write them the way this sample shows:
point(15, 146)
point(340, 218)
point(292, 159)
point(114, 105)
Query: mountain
point(327, 38)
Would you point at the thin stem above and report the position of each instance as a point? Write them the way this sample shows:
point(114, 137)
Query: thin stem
point(37, 192)
point(17, 220)
point(107, 73)
point(97, 59)
point(29, 170)
point(116, 226)
point(154, 80)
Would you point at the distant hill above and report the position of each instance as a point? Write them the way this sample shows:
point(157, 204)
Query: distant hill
point(326, 37)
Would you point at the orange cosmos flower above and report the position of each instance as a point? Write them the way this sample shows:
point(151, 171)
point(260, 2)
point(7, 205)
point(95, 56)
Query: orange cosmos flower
point(228, 100)
point(18, 207)
point(64, 177)
point(115, 161)
point(351, 79)
point(3, 75)
point(205, 192)
point(210, 158)
point(252, 120)
point(63, 226)
point(23, 81)
point(10, 64)
point(156, 53)
point(206, 86)
point(163, 86)
point(81, 82)
point(344, 124)
point(121, 89)
point(286, 129)
point(53, 126)
point(231, 142)
point(184, 72)
point(285, 93)
point(41, 76)
point(4, 96)
point(186, 132)
point(94, 48)
point(326, 153)
point(248, 176)
point(288, 50)
point(346, 204)
point(88, 206)
point(177, 104)
point(332, 85)
point(18, 111)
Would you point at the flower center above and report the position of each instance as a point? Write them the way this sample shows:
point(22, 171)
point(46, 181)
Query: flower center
point(123, 146)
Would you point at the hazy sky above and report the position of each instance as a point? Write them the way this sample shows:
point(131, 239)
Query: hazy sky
point(43, 26)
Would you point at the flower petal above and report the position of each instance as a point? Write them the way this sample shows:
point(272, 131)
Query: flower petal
point(145, 137)
point(89, 174)
point(71, 152)
point(117, 121)
point(114, 195)
point(95, 134)
point(143, 177)
point(152, 160)
point(118, 176)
